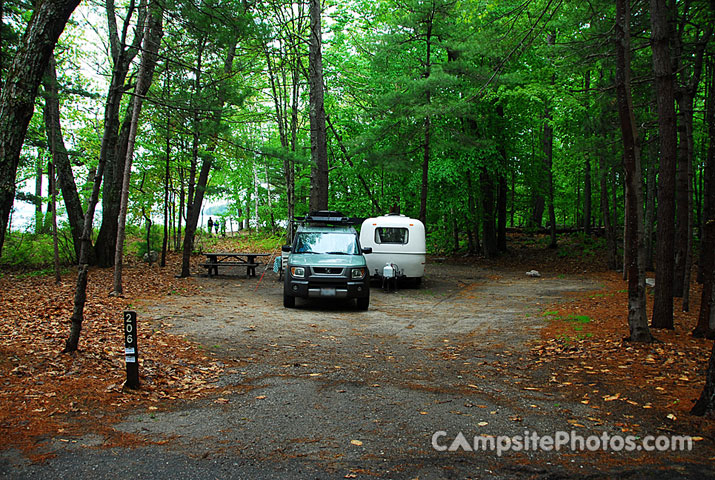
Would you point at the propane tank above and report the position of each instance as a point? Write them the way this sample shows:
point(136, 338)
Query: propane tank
point(388, 271)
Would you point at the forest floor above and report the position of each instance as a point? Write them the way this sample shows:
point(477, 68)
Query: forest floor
point(234, 385)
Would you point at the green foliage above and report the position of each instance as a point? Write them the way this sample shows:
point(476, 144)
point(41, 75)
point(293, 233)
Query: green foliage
point(484, 90)
point(136, 241)
point(35, 251)
point(581, 245)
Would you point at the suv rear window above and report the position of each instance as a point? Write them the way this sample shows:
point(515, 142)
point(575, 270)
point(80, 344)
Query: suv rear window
point(392, 235)
point(326, 242)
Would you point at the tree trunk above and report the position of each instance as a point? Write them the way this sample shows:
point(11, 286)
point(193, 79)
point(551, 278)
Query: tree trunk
point(17, 99)
point(650, 204)
point(116, 133)
point(513, 199)
point(548, 157)
point(167, 176)
point(472, 216)
point(705, 327)
point(708, 182)
point(605, 212)
point(501, 212)
point(587, 194)
point(587, 197)
point(548, 144)
point(427, 143)
point(705, 406)
point(152, 39)
point(80, 294)
point(455, 230)
point(53, 197)
point(637, 318)
point(195, 201)
point(289, 164)
point(182, 203)
point(682, 202)
point(660, 36)
point(489, 236)
point(689, 250)
point(39, 173)
point(60, 158)
point(502, 185)
point(537, 190)
point(318, 133)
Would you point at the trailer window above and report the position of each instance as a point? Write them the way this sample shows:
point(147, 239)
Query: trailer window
point(392, 235)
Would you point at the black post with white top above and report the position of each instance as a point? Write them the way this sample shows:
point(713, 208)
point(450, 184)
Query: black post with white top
point(131, 349)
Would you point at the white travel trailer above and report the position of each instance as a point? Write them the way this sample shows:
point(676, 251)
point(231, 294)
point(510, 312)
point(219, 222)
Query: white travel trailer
point(398, 247)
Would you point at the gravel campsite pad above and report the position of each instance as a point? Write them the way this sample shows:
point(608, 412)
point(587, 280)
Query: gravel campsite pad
point(326, 391)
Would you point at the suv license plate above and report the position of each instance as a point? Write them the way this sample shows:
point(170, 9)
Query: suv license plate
point(327, 292)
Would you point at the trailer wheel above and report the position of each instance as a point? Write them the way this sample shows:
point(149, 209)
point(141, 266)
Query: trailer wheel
point(363, 303)
point(288, 301)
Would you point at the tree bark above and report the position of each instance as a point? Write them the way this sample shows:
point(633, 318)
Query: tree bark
point(318, 133)
point(705, 406)
point(17, 98)
point(650, 204)
point(637, 318)
point(706, 328)
point(152, 39)
point(689, 248)
point(708, 182)
point(660, 37)
point(60, 158)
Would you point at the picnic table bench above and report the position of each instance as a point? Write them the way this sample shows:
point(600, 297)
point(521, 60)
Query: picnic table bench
point(214, 260)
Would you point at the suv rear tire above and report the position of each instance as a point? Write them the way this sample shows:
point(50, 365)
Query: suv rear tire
point(288, 301)
point(363, 303)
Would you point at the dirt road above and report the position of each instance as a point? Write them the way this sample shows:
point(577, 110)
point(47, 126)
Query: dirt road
point(327, 391)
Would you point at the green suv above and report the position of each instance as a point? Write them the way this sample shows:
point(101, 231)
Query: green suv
point(326, 261)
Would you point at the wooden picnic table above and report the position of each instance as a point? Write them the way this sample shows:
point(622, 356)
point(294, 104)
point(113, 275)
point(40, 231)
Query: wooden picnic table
point(232, 259)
